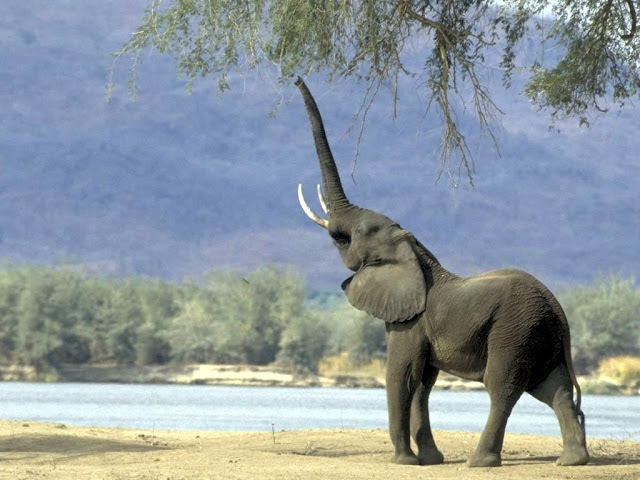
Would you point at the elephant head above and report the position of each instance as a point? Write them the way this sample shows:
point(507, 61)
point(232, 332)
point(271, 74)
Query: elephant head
point(389, 282)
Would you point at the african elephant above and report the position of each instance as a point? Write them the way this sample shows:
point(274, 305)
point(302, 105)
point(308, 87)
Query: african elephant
point(503, 328)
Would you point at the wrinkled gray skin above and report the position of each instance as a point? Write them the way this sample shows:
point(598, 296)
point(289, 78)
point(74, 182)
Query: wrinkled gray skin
point(503, 328)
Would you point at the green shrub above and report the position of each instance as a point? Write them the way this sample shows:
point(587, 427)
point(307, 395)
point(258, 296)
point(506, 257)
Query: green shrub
point(303, 344)
point(604, 320)
point(355, 332)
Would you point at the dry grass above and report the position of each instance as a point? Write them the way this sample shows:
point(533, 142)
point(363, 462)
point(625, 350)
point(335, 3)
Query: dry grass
point(340, 364)
point(624, 370)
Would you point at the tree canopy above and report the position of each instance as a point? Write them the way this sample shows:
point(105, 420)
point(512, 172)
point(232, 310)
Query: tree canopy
point(443, 44)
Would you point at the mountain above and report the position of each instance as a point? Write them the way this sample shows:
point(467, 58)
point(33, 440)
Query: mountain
point(174, 185)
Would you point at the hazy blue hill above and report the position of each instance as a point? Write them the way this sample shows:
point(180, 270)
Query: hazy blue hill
point(175, 185)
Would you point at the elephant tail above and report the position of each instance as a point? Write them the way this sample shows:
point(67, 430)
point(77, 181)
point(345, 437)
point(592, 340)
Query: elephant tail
point(572, 373)
point(566, 346)
point(574, 380)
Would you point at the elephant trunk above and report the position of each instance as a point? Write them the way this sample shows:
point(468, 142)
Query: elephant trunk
point(336, 199)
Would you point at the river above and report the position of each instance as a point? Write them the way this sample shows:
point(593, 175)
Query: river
point(187, 407)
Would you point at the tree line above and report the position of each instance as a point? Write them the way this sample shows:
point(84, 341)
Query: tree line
point(52, 316)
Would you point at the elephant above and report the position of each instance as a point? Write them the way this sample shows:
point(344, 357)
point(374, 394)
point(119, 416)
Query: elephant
point(503, 328)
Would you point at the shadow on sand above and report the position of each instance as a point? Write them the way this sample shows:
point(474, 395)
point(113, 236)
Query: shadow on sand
point(34, 445)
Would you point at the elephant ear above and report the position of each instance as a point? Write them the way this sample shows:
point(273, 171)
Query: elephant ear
point(394, 290)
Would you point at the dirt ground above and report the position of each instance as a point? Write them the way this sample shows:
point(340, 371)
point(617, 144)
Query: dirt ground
point(49, 451)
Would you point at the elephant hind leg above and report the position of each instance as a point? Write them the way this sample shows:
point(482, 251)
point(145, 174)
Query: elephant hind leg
point(504, 379)
point(557, 392)
point(488, 451)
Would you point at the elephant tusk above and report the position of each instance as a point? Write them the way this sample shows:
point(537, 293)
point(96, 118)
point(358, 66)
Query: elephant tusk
point(320, 221)
point(322, 202)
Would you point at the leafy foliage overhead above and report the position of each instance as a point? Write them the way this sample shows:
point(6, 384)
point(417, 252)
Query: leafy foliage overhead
point(444, 45)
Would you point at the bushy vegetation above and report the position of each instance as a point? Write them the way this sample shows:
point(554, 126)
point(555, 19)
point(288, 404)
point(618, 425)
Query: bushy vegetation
point(604, 320)
point(52, 316)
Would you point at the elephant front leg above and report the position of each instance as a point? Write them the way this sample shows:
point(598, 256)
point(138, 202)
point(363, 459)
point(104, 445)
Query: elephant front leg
point(405, 364)
point(399, 406)
point(428, 453)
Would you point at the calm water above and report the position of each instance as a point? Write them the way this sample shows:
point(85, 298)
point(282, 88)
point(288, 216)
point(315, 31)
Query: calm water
point(256, 408)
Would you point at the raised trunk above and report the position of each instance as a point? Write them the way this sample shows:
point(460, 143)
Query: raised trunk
point(336, 199)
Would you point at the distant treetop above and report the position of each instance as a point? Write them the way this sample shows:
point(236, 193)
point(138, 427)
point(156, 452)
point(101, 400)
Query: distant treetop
point(373, 40)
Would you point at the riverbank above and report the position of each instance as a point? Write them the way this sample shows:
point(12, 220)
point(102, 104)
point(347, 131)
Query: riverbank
point(251, 375)
point(54, 451)
point(205, 374)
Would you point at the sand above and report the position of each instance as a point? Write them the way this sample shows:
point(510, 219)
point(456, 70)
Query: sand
point(52, 451)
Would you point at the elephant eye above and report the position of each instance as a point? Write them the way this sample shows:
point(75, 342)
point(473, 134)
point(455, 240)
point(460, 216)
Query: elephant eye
point(340, 239)
point(341, 242)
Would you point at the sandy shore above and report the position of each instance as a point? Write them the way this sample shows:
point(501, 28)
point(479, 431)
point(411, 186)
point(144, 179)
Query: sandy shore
point(32, 451)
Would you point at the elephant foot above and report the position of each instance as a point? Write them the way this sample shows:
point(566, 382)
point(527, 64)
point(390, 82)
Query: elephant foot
point(406, 459)
point(430, 457)
point(484, 459)
point(574, 456)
